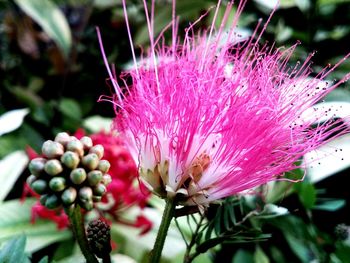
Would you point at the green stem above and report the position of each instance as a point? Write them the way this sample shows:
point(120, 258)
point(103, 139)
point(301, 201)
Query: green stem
point(77, 223)
point(168, 215)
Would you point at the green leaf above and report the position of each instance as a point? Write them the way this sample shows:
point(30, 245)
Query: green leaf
point(15, 219)
point(11, 168)
point(97, 123)
point(330, 205)
point(13, 251)
point(243, 256)
point(307, 194)
point(12, 120)
point(260, 256)
point(328, 2)
point(44, 260)
point(70, 108)
point(51, 19)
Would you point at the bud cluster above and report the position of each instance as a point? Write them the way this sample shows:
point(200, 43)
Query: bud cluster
point(70, 172)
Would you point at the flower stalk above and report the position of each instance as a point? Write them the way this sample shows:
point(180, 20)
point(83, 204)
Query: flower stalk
point(168, 214)
point(76, 220)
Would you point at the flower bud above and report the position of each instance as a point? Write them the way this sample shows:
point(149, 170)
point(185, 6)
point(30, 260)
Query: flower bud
point(43, 199)
point(78, 176)
point(36, 166)
point(94, 177)
point(52, 202)
point(99, 237)
point(62, 138)
point(70, 159)
point(104, 166)
point(69, 195)
point(39, 186)
point(106, 179)
point(98, 150)
point(90, 161)
point(88, 205)
point(31, 178)
point(57, 184)
point(87, 142)
point(53, 167)
point(76, 146)
point(52, 149)
point(96, 198)
point(85, 194)
point(100, 190)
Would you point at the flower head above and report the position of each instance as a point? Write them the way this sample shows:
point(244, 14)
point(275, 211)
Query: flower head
point(206, 118)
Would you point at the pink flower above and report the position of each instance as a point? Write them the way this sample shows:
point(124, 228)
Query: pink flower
point(206, 119)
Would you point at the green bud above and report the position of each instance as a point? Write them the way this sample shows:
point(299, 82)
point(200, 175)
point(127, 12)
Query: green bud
point(70, 159)
point(104, 166)
point(69, 195)
point(52, 202)
point(76, 146)
point(69, 209)
point(87, 142)
point(39, 186)
point(90, 161)
point(96, 198)
point(30, 179)
point(88, 205)
point(100, 190)
point(53, 167)
point(97, 149)
point(85, 194)
point(94, 177)
point(107, 179)
point(57, 184)
point(62, 138)
point(43, 199)
point(36, 166)
point(78, 176)
point(52, 149)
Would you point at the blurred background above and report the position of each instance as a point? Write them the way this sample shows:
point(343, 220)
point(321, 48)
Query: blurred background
point(52, 74)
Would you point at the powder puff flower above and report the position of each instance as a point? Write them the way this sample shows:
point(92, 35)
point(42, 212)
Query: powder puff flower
point(205, 118)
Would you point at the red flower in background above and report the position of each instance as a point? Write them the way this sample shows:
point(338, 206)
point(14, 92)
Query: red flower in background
point(122, 192)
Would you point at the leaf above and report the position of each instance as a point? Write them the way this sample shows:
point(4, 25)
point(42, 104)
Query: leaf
point(97, 123)
point(328, 159)
point(70, 108)
point(13, 251)
point(187, 10)
point(328, 2)
point(243, 256)
point(330, 205)
point(44, 260)
point(12, 120)
point(15, 219)
point(138, 247)
point(11, 168)
point(260, 256)
point(51, 19)
point(307, 194)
